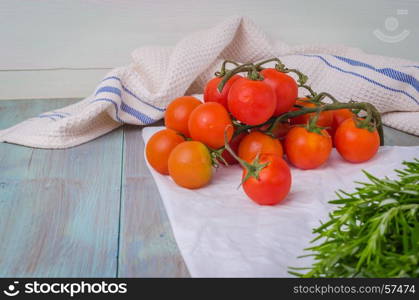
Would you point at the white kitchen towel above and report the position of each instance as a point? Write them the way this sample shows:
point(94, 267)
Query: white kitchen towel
point(221, 233)
point(139, 93)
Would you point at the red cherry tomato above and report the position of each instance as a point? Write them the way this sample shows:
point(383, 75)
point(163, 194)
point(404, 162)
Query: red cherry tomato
point(307, 150)
point(325, 118)
point(257, 143)
point(339, 116)
point(273, 183)
point(159, 147)
point(355, 144)
point(208, 122)
point(234, 145)
point(285, 87)
point(177, 113)
point(252, 102)
point(211, 93)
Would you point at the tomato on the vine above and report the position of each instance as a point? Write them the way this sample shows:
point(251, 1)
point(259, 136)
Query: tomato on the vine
point(339, 116)
point(306, 149)
point(211, 93)
point(234, 145)
point(177, 113)
point(252, 102)
point(325, 118)
point(208, 122)
point(279, 131)
point(159, 147)
point(285, 88)
point(272, 182)
point(190, 165)
point(256, 143)
point(356, 144)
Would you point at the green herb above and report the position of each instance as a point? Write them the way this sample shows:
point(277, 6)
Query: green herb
point(375, 233)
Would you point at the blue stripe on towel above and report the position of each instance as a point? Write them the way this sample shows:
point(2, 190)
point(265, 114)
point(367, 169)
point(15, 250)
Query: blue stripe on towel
point(114, 104)
point(111, 77)
point(361, 76)
point(52, 118)
point(52, 115)
point(130, 92)
point(137, 114)
point(138, 98)
point(394, 74)
point(109, 89)
point(129, 110)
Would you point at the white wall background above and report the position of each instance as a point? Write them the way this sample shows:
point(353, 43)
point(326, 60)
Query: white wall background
point(62, 49)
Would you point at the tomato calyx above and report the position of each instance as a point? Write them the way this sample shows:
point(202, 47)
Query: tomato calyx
point(217, 157)
point(312, 126)
point(366, 124)
point(254, 169)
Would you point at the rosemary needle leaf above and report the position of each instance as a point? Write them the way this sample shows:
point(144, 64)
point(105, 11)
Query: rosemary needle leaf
point(374, 233)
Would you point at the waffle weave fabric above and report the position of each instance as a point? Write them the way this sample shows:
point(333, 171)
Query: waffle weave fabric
point(139, 93)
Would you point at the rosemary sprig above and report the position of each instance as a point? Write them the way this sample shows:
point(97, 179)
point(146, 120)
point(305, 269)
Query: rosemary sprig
point(374, 233)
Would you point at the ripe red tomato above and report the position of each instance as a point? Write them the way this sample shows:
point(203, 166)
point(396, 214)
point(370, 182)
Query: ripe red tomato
point(325, 118)
point(252, 102)
point(159, 147)
point(208, 122)
point(307, 150)
point(339, 116)
point(211, 93)
point(355, 144)
point(256, 143)
point(190, 165)
point(285, 87)
point(177, 113)
point(274, 181)
point(234, 145)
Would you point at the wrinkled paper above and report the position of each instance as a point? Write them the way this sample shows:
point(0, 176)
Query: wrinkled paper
point(222, 233)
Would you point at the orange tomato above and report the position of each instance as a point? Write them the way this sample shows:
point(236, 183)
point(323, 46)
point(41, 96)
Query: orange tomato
point(208, 122)
point(178, 112)
point(355, 144)
point(307, 150)
point(256, 143)
point(159, 147)
point(190, 165)
point(325, 118)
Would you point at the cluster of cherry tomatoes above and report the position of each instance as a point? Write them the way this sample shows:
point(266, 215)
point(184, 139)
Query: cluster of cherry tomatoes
point(244, 120)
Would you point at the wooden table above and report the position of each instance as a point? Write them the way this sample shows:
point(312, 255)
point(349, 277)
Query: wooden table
point(88, 211)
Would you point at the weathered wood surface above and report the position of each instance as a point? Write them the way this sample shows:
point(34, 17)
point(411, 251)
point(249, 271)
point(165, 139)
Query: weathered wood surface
point(59, 210)
point(92, 210)
point(147, 245)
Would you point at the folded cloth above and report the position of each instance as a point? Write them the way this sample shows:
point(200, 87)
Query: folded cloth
point(138, 93)
point(220, 232)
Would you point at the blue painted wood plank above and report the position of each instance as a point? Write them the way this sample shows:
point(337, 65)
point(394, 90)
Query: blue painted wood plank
point(147, 245)
point(59, 209)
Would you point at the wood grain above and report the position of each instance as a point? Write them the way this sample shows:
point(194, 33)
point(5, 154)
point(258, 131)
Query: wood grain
point(59, 209)
point(147, 245)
